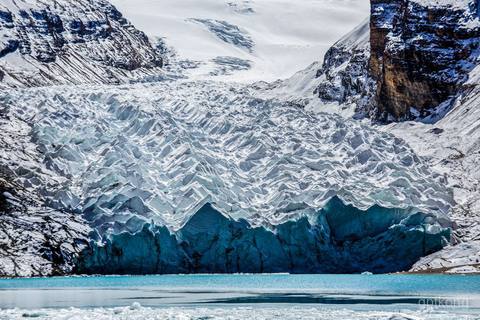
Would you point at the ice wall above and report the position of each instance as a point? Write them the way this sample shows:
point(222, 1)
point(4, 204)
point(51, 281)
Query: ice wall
point(377, 240)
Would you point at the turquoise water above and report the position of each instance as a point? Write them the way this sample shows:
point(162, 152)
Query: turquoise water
point(338, 284)
point(232, 296)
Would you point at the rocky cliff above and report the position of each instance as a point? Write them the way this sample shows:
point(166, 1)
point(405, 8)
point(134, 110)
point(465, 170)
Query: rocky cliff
point(421, 53)
point(343, 76)
point(71, 42)
point(417, 57)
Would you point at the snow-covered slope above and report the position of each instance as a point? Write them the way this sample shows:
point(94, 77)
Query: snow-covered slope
point(284, 36)
point(35, 238)
point(452, 146)
point(71, 42)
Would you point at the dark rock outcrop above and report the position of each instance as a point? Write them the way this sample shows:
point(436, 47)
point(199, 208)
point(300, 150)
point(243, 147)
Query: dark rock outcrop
point(343, 77)
point(338, 239)
point(36, 240)
point(71, 42)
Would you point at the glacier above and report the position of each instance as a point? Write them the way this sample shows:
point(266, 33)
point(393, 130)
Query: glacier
point(205, 176)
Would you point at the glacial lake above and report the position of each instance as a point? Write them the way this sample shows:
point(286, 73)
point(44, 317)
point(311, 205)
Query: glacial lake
point(277, 296)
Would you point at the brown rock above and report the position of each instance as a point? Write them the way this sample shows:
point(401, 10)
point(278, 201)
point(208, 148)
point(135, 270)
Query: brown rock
point(420, 56)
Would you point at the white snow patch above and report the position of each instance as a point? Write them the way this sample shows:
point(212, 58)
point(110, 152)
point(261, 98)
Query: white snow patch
point(287, 36)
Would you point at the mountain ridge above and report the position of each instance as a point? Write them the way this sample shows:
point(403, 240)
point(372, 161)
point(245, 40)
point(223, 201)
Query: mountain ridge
point(71, 42)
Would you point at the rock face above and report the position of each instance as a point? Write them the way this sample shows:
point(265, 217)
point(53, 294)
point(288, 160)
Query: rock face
point(344, 74)
point(71, 42)
point(420, 54)
point(409, 65)
point(36, 240)
point(340, 239)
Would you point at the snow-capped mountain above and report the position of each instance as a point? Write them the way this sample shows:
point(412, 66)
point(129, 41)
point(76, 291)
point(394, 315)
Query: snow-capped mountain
point(196, 171)
point(408, 62)
point(71, 42)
